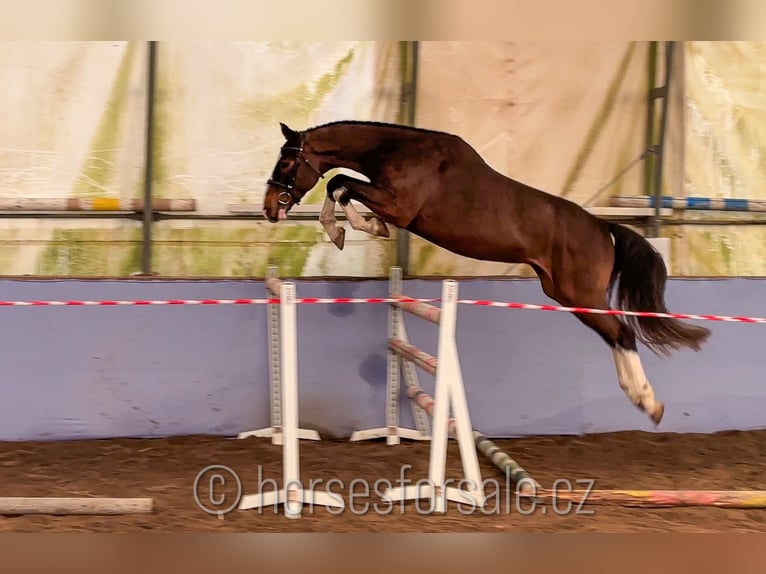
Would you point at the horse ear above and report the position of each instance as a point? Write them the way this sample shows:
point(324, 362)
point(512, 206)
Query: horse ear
point(288, 133)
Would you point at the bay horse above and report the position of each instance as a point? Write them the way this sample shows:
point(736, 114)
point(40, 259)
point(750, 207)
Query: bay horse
point(435, 185)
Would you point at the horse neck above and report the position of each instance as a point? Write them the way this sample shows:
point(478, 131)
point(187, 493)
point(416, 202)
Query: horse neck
point(358, 148)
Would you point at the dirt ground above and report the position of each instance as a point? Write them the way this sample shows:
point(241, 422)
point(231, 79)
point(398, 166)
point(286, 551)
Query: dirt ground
point(165, 470)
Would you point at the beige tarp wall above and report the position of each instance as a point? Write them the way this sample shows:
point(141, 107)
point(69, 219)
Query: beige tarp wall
point(74, 125)
point(567, 117)
point(564, 117)
point(220, 105)
point(72, 116)
point(724, 155)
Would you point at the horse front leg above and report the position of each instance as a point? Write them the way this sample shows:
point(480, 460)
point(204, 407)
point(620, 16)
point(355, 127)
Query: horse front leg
point(374, 225)
point(327, 218)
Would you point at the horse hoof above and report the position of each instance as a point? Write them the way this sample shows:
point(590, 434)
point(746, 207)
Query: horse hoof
point(658, 413)
point(340, 238)
point(379, 227)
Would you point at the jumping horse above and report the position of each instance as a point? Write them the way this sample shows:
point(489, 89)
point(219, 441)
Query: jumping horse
point(435, 185)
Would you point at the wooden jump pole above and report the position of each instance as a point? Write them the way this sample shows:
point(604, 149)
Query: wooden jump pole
point(661, 498)
point(419, 309)
point(92, 204)
point(61, 506)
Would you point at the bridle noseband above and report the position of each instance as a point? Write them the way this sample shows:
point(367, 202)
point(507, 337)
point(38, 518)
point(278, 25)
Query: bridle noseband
point(287, 196)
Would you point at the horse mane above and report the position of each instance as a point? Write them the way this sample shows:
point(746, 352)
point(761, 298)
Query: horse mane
point(378, 125)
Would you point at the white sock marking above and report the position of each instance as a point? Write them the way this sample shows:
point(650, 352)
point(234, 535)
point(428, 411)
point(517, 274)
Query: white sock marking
point(633, 380)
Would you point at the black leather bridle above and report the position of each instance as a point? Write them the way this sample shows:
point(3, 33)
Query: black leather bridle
point(287, 196)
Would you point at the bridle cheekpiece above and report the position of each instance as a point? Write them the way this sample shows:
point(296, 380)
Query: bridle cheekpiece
point(287, 196)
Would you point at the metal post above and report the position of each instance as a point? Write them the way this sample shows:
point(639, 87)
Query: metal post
point(656, 219)
point(410, 57)
point(148, 213)
point(651, 97)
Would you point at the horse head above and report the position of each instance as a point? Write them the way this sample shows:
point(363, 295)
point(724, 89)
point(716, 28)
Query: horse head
point(293, 176)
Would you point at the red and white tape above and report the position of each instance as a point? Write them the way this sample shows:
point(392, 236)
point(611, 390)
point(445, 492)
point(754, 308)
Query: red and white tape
point(143, 302)
point(354, 300)
point(114, 303)
point(585, 310)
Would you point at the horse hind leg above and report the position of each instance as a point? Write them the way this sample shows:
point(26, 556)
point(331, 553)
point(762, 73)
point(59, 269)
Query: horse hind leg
point(631, 375)
point(622, 340)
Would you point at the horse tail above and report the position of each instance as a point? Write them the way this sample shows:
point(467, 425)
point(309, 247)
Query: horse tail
point(642, 276)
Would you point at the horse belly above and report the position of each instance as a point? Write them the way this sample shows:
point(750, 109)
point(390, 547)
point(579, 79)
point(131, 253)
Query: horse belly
point(504, 222)
point(482, 242)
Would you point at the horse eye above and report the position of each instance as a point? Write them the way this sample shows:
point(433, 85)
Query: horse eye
point(284, 164)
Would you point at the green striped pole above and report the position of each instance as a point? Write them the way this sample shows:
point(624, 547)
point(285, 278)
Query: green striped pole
point(505, 463)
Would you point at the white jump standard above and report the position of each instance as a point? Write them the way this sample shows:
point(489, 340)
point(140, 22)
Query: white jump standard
point(404, 357)
point(449, 393)
point(292, 494)
point(397, 365)
point(273, 286)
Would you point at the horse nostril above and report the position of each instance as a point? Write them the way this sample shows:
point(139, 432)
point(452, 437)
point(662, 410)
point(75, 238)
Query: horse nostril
point(267, 215)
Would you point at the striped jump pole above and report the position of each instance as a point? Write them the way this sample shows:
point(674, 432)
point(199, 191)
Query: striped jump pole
point(692, 203)
point(273, 287)
point(292, 494)
point(93, 204)
point(661, 498)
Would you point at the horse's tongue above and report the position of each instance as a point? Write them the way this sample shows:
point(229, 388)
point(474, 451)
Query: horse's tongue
point(282, 213)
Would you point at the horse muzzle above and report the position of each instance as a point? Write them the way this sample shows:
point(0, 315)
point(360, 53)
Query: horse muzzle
point(276, 205)
point(281, 215)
